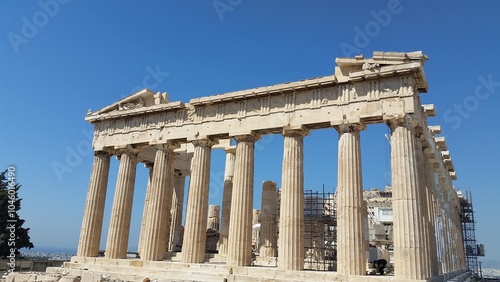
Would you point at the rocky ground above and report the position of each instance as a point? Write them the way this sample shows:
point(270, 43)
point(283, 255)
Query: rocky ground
point(491, 273)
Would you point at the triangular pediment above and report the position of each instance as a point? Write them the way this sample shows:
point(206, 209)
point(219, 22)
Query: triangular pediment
point(142, 98)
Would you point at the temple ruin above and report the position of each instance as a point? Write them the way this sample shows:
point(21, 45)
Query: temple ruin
point(175, 139)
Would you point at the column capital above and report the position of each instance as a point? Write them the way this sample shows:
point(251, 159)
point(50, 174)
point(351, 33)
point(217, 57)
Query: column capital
point(102, 153)
point(247, 138)
point(127, 149)
point(169, 146)
point(408, 120)
point(204, 142)
point(350, 127)
point(295, 132)
point(230, 150)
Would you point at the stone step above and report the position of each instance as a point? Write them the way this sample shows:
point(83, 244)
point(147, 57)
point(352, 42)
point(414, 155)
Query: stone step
point(131, 270)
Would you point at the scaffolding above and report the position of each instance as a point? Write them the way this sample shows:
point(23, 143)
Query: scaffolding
point(320, 232)
point(380, 224)
point(472, 249)
point(320, 228)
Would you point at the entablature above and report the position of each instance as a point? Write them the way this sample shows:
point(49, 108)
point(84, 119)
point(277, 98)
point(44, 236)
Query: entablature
point(362, 91)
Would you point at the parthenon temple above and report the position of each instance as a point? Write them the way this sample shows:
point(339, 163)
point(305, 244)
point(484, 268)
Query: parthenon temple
point(174, 140)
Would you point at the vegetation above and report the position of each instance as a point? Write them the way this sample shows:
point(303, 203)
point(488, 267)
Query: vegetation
point(13, 236)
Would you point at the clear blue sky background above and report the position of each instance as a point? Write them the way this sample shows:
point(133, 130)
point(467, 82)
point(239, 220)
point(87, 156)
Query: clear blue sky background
point(57, 61)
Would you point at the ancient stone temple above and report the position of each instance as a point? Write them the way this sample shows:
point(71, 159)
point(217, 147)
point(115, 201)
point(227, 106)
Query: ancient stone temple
point(175, 139)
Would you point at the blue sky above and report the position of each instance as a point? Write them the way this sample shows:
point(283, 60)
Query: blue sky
point(60, 58)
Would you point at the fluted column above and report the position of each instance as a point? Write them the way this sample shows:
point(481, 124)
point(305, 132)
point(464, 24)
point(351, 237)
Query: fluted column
point(440, 234)
point(445, 226)
point(456, 242)
point(90, 235)
point(240, 226)
point(193, 246)
point(449, 226)
point(463, 264)
point(255, 233)
point(213, 219)
point(176, 209)
point(119, 225)
point(160, 197)
point(268, 239)
point(421, 171)
point(460, 239)
point(455, 227)
point(226, 199)
point(351, 242)
point(449, 248)
point(459, 233)
point(168, 203)
point(429, 194)
point(291, 226)
point(149, 166)
point(408, 224)
point(438, 207)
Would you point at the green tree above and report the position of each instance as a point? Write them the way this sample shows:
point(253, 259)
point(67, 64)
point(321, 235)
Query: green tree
point(13, 236)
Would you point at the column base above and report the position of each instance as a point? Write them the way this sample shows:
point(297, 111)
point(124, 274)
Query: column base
point(93, 269)
point(98, 268)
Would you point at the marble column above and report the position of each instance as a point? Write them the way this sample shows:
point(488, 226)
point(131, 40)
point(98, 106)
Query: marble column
point(456, 242)
point(160, 197)
point(168, 203)
point(429, 194)
point(460, 239)
point(291, 227)
point(458, 226)
point(268, 239)
point(438, 211)
point(176, 210)
point(421, 172)
point(448, 241)
point(445, 224)
point(440, 231)
point(149, 166)
point(119, 225)
point(213, 217)
point(240, 226)
point(255, 232)
point(195, 232)
point(90, 235)
point(351, 241)
point(407, 208)
point(226, 199)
